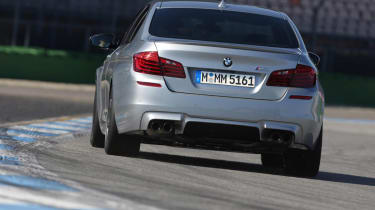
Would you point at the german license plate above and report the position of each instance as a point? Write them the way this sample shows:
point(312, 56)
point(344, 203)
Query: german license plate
point(216, 78)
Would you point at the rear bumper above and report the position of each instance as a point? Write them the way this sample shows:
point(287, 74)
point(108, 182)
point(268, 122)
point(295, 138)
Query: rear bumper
point(181, 121)
point(136, 106)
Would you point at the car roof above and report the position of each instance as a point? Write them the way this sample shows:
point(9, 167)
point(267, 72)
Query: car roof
point(210, 4)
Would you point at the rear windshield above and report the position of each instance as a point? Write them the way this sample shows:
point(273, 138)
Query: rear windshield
point(223, 26)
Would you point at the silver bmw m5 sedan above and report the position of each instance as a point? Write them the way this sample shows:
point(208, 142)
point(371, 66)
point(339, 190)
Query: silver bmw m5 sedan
point(211, 75)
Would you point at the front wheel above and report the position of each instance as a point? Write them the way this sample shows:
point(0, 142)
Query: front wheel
point(115, 143)
point(305, 163)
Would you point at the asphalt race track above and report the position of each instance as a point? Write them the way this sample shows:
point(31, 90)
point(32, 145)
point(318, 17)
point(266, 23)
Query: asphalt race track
point(25, 101)
point(46, 163)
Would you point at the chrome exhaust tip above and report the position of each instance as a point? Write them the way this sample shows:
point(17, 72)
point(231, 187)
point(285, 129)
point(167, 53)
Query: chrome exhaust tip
point(277, 136)
point(160, 127)
point(168, 127)
point(155, 126)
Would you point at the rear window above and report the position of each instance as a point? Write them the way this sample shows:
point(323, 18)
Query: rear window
point(223, 26)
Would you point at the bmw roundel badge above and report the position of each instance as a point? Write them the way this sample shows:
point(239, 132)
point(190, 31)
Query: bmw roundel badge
point(227, 62)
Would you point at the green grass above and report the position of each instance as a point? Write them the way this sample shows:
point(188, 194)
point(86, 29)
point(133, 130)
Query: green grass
point(15, 50)
point(72, 67)
point(48, 65)
point(348, 90)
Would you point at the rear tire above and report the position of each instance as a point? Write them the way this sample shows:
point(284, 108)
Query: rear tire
point(305, 163)
point(97, 137)
point(119, 144)
point(272, 161)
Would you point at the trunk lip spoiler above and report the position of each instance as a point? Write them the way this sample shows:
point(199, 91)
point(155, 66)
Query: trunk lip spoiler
point(293, 51)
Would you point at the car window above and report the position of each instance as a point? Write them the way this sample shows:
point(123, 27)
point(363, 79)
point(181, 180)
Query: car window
point(223, 26)
point(133, 29)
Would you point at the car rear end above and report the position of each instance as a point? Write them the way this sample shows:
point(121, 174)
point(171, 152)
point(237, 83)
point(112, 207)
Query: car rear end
point(237, 77)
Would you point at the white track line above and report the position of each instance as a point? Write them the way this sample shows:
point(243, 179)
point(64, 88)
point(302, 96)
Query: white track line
point(57, 132)
point(57, 126)
point(67, 200)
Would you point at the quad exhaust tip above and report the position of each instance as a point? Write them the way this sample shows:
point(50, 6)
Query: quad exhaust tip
point(278, 136)
point(161, 127)
point(155, 126)
point(168, 127)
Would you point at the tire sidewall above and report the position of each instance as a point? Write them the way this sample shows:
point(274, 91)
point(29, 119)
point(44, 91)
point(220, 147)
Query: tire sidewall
point(96, 137)
point(111, 130)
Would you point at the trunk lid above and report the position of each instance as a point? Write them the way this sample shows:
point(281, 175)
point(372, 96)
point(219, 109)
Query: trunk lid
point(246, 60)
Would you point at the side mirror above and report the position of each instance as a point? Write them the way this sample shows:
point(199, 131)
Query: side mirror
point(314, 58)
point(103, 41)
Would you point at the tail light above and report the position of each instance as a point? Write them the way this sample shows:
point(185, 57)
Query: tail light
point(301, 77)
point(151, 63)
